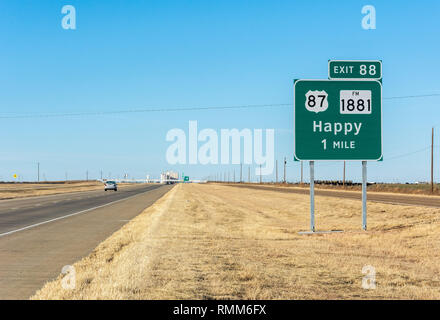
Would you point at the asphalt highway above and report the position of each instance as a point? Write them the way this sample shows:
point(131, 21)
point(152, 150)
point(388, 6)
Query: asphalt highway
point(40, 235)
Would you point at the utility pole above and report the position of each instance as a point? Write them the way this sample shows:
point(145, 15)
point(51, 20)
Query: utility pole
point(241, 172)
point(101, 175)
point(302, 176)
point(343, 176)
point(285, 169)
point(260, 173)
point(432, 161)
point(87, 175)
point(38, 175)
point(276, 171)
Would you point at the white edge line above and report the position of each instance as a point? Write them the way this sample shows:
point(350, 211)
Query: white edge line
point(66, 216)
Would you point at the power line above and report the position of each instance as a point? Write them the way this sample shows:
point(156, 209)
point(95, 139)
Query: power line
point(414, 96)
point(407, 154)
point(173, 109)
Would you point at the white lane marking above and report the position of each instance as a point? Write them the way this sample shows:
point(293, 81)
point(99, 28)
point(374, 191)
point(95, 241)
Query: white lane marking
point(69, 215)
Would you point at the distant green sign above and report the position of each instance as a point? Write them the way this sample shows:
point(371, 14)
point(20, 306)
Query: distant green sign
point(338, 120)
point(186, 178)
point(354, 70)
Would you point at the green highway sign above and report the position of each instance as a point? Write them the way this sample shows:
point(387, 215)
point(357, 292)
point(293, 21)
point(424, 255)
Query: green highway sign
point(186, 178)
point(355, 69)
point(338, 120)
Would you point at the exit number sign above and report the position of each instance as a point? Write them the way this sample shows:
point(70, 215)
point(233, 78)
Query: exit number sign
point(355, 70)
point(338, 120)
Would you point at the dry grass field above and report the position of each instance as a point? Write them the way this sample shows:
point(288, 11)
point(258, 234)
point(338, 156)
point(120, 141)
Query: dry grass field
point(18, 190)
point(220, 242)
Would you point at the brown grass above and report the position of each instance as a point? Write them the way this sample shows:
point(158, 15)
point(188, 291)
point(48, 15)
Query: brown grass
point(19, 190)
point(214, 242)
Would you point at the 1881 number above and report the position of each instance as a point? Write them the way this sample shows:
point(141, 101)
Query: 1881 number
point(360, 105)
point(355, 102)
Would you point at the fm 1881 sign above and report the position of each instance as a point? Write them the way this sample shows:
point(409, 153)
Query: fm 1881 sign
point(338, 120)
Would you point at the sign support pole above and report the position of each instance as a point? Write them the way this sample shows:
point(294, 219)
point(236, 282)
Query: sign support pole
point(364, 195)
point(312, 196)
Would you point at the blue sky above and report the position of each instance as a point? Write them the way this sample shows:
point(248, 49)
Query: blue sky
point(137, 54)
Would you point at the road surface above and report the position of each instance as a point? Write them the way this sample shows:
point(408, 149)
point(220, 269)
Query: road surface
point(401, 199)
point(40, 235)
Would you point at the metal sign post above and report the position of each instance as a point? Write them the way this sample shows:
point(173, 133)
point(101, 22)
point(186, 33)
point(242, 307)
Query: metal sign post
point(364, 195)
point(312, 196)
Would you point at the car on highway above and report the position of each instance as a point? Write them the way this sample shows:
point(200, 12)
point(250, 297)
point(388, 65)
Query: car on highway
point(110, 185)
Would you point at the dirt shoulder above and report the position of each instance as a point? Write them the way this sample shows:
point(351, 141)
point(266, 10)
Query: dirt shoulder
point(220, 242)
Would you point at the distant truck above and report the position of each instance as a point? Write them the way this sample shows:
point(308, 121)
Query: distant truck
point(169, 177)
